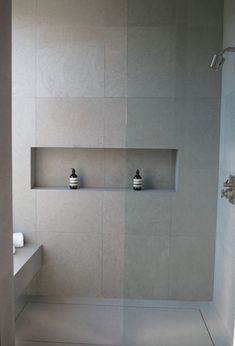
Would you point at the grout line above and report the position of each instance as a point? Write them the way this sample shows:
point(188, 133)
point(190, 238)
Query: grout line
point(102, 244)
point(124, 306)
point(208, 331)
point(23, 309)
point(64, 343)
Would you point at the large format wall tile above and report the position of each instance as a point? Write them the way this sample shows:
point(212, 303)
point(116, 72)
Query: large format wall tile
point(194, 48)
point(229, 128)
point(115, 62)
point(115, 117)
point(24, 61)
point(115, 169)
point(194, 204)
point(205, 13)
point(24, 47)
point(23, 132)
point(70, 62)
point(84, 12)
point(72, 264)
point(151, 12)
point(197, 131)
point(69, 211)
point(24, 13)
point(64, 12)
point(151, 123)
point(146, 267)
point(151, 61)
point(191, 268)
point(115, 12)
point(23, 123)
point(70, 122)
point(148, 213)
point(113, 244)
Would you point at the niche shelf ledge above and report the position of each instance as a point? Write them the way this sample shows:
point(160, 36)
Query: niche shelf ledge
point(103, 169)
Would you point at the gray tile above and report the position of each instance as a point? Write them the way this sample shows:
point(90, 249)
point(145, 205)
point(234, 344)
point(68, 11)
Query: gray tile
point(115, 61)
point(146, 267)
point(115, 12)
point(64, 12)
point(36, 343)
point(229, 9)
point(229, 127)
point(151, 122)
point(225, 288)
point(197, 131)
point(228, 82)
point(170, 327)
point(23, 61)
point(115, 169)
point(191, 268)
point(70, 62)
point(53, 167)
point(151, 61)
point(227, 223)
point(24, 201)
point(83, 324)
point(24, 213)
point(113, 244)
point(157, 167)
point(148, 214)
point(194, 205)
point(115, 122)
point(207, 13)
point(182, 12)
point(70, 122)
point(63, 211)
point(194, 48)
point(23, 123)
point(23, 47)
point(71, 264)
point(151, 12)
point(23, 13)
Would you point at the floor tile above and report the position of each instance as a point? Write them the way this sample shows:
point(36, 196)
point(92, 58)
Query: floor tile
point(44, 324)
point(69, 323)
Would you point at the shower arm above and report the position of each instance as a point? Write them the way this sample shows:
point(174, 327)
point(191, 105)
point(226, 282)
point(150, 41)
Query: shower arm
point(228, 49)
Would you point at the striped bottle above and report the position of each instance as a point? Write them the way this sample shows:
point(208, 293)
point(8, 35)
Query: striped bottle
point(137, 181)
point(73, 180)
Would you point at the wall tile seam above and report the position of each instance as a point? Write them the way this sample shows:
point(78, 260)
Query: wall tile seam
point(68, 232)
point(102, 247)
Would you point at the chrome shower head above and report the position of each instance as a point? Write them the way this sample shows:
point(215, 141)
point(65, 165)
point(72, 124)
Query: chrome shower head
point(218, 59)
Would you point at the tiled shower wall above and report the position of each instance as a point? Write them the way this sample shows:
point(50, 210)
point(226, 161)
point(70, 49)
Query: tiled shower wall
point(6, 261)
point(118, 73)
point(225, 261)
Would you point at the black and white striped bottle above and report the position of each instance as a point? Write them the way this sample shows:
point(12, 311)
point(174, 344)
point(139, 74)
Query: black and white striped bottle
point(73, 180)
point(137, 181)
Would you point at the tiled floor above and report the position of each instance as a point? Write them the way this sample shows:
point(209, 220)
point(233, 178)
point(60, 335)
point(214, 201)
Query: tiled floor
point(54, 324)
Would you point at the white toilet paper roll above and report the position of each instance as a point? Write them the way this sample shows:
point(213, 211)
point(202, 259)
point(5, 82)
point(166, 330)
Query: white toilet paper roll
point(18, 239)
point(14, 250)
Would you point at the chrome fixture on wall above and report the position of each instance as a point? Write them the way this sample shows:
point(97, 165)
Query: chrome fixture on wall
point(219, 59)
point(229, 191)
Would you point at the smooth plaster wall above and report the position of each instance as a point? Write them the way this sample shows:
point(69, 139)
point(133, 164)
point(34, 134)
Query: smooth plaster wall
point(118, 73)
point(224, 291)
point(6, 258)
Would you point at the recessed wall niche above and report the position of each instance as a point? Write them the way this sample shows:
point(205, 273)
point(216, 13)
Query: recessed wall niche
point(106, 168)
